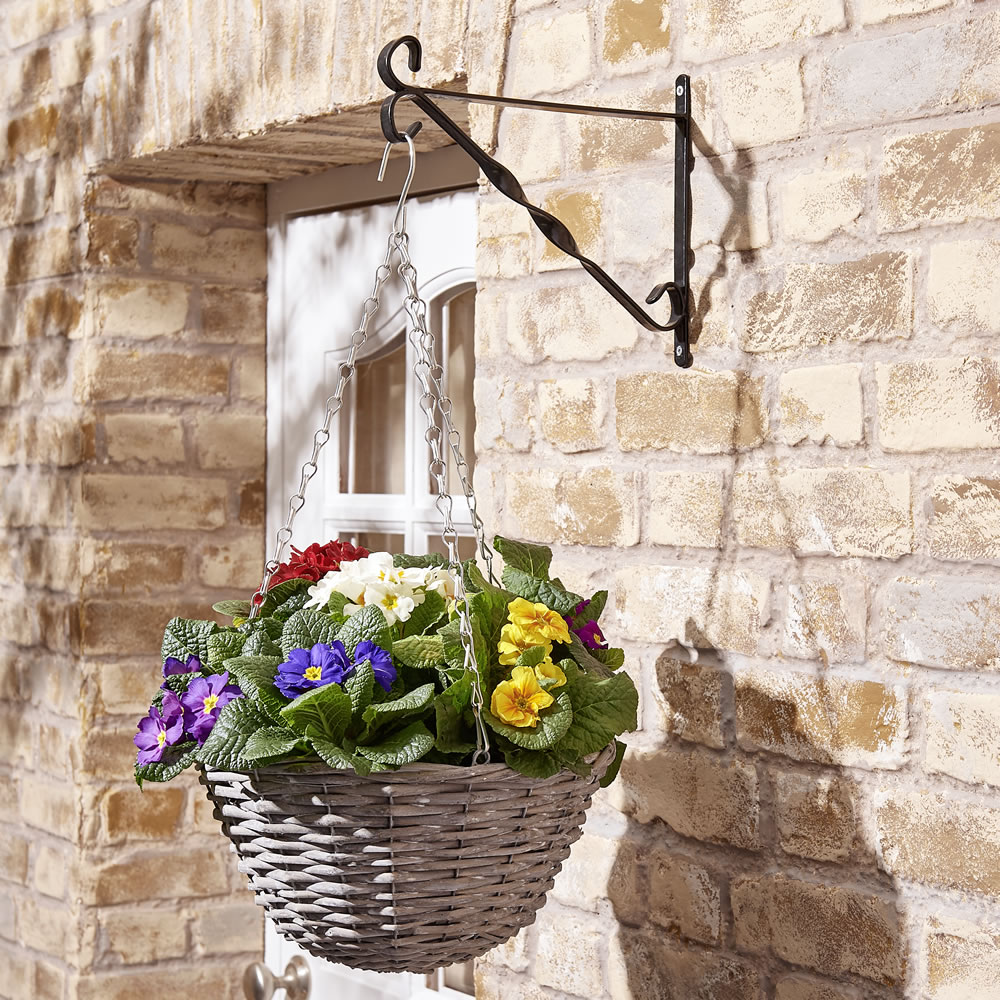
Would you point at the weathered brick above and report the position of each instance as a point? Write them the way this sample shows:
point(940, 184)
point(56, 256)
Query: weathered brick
point(136, 308)
point(144, 437)
point(826, 619)
point(704, 413)
point(569, 962)
point(123, 688)
point(227, 253)
point(965, 518)
point(236, 564)
point(194, 872)
point(504, 244)
point(697, 795)
point(50, 807)
point(635, 30)
point(646, 965)
point(105, 375)
point(13, 856)
point(113, 241)
point(153, 815)
point(683, 897)
point(229, 440)
point(532, 143)
point(951, 403)
point(54, 312)
point(817, 203)
point(45, 253)
point(822, 404)
point(128, 566)
point(140, 196)
point(130, 627)
point(805, 305)
point(232, 315)
point(829, 719)
point(573, 412)
point(553, 55)
point(942, 622)
point(815, 816)
point(133, 936)
point(827, 928)
point(505, 414)
point(754, 25)
point(685, 508)
point(33, 134)
point(699, 607)
point(733, 215)
point(251, 378)
point(963, 733)
point(43, 926)
point(690, 699)
point(940, 841)
point(236, 928)
point(140, 502)
point(586, 876)
point(50, 869)
point(796, 988)
point(744, 90)
point(198, 979)
point(963, 285)
point(874, 11)
point(880, 79)
point(569, 323)
point(844, 512)
point(962, 960)
point(940, 177)
point(581, 213)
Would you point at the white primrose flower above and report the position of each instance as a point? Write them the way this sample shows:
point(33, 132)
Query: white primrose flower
point(397, 603)
point(442, 581)
point(335, 582)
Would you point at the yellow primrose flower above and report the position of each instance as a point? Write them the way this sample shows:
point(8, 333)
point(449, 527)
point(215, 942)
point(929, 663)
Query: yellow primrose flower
point(549, 670)
point(514, 641)
point(538, 621)
point(519, 700)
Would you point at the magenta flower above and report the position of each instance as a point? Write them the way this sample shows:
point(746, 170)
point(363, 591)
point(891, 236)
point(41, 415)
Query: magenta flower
point(203, 700)
point(589, 633)
point(306, 669)
point(162, 728)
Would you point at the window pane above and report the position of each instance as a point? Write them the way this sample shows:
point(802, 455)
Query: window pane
point(466, 545)
point(379, 541)
point(373, 428)
point(461, 978)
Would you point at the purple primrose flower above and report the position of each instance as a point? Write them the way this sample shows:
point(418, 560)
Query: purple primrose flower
point(174, 666)
point(203, 700)
point(381, 661)
point(589, 633)
point(162, 728)
point(305, 669)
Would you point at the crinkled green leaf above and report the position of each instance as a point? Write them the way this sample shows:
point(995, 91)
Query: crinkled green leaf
point(531, 559)
point(539, 591)
point(175, 760)
point(453, 717)
point(430, 561)
point(255, 675)
point(429, 612)
point(335, 606)
point(612, 657)
point(602, 710)
point(421, 651)
point(224, 646)
point(359, 687)
point(236, 723)
point(401, 748)
point(585, 658)
point(186, 637)
point(339, 758)
point(411, 703)
point(595, 606)
point(322, 713)
point(271, 741)
point(553, 723)
point(368, 623)
point(305, 628)
point(534, 763)
point(234, 609)
point(615, 766)
point(261, 644)
point(285, 598)
point(532, 657)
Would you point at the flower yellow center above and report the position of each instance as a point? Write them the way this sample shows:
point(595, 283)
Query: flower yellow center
point(313, 673)
point(161, 737)
point(210, 702)
point(390, 601)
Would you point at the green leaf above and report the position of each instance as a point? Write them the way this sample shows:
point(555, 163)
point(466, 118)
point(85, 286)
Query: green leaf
point(368, 623)
point(532, 657)
point(595, 606)
point(534, 763)
point(404, 747)
point(271, 741)
point(335, 606)
point(602, 710)
point(531, 559)
point(615, 766)
point(410, 703)
point(175, 760)
point(339, 758)
point(260, 644)
point(430, 561)
point(186, 637)
point(286, 598)
point(323, 713)
point(305, 628)
point(236, 723)
point(612, 657)
point(234, 609)
point(453, 717)
point(538, 591)
point(585, 658)
point(224, 646)
point(425, 614)
point(422, 651)
point(359, 687)
point(553, 723)
point(255, 675)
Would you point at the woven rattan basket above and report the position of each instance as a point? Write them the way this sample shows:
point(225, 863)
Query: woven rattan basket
point(405, 870)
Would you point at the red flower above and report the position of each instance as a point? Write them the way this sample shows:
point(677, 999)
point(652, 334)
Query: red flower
point(316, 561)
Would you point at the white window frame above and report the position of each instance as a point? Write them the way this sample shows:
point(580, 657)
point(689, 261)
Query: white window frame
point(440, 171)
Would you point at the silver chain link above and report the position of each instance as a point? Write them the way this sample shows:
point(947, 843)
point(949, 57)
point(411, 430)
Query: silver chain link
point(429, 373)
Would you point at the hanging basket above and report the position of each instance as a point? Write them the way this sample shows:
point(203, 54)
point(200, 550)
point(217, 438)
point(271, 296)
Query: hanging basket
point(401, 871)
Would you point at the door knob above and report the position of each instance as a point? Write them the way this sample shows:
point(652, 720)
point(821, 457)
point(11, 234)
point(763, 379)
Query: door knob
point(260, 983)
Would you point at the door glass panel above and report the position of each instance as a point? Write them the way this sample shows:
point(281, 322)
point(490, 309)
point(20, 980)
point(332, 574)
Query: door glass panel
point(466, 545)
point(461, 978)
point(379, 541)
point(373, 431)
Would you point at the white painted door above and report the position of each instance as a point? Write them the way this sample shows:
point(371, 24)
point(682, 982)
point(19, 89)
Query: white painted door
point(326, 236)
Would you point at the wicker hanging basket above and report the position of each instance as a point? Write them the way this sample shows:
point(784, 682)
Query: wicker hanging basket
point(401, 871)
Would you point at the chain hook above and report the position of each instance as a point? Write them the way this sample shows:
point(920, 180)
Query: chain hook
point(399, 221)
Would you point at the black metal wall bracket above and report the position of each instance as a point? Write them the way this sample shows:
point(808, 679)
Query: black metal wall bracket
point(677, 291)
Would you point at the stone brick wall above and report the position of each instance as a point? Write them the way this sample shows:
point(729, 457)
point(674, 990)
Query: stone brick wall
point(811, 809)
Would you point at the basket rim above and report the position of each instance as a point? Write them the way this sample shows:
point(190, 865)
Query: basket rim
point(416, 770)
